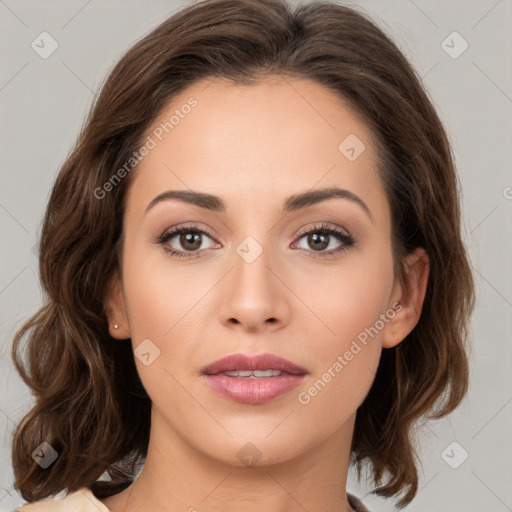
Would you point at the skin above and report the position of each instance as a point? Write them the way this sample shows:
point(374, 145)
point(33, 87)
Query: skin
point(254, 146)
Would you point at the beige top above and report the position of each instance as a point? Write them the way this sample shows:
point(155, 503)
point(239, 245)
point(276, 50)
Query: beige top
point(84, 500)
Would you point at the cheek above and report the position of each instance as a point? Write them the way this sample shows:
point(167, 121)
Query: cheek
point(346, 299)
point(345, 361)
point(351, 311)
point(169, 304)
point(159, 292)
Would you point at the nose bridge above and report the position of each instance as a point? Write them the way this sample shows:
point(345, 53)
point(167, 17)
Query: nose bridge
point(254, 295)
point(253, 259)
point(255, 244)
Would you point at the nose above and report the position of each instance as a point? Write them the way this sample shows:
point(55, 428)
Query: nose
point(254, 297)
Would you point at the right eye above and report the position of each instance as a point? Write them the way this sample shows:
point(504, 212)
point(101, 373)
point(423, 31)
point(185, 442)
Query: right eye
point(190, 238)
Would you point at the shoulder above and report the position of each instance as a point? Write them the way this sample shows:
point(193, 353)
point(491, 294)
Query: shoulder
point(82, 500)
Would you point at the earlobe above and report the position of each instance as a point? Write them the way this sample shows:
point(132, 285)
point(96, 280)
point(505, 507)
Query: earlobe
point(115, 309)
point(411, 297)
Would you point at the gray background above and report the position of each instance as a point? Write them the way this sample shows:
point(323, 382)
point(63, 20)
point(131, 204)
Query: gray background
point(44, 101)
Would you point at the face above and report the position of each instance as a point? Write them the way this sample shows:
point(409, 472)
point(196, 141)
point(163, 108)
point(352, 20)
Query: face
point(308, 281)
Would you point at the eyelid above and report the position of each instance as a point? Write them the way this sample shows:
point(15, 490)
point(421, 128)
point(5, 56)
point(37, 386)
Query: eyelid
point(323, 227)
point(175, 230)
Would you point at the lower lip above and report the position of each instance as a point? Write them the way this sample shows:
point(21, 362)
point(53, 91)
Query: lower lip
point(253, 391)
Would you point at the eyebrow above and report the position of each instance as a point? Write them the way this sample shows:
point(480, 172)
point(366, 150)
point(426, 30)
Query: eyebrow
point(292, 203)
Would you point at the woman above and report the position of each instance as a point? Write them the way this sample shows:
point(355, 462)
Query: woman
point(254, 273)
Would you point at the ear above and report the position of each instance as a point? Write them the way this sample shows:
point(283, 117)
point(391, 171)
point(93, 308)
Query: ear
point(115, 309)
point(410, 296)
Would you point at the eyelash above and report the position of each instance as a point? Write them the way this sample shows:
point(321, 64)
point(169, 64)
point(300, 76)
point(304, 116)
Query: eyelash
point(347, 240)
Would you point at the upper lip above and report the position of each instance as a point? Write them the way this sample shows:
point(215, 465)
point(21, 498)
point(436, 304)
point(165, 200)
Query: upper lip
point(236, 362)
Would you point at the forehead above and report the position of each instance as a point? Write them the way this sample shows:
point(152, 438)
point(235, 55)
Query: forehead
point(254, 141)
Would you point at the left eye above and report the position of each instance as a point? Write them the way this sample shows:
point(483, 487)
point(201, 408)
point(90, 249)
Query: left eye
point(320, 238)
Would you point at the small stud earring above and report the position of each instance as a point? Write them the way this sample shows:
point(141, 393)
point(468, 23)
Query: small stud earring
point(116, 326)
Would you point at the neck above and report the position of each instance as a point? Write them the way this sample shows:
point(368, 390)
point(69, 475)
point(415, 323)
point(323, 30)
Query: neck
point(177, 477)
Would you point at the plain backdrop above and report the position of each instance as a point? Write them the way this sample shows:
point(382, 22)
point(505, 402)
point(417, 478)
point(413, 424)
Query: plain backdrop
point(43, 103)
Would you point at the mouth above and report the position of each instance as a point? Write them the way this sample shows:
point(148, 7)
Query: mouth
point(253, 379)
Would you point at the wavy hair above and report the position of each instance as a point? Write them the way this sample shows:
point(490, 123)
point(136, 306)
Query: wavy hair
point(90, 405)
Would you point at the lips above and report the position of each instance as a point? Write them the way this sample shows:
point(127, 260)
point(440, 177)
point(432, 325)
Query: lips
point(262, 362)
point(253, 379)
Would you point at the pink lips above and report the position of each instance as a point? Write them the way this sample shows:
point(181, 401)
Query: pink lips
point(253, 390)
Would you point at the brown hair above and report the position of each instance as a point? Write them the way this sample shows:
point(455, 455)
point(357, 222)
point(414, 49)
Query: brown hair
point(90, 404)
